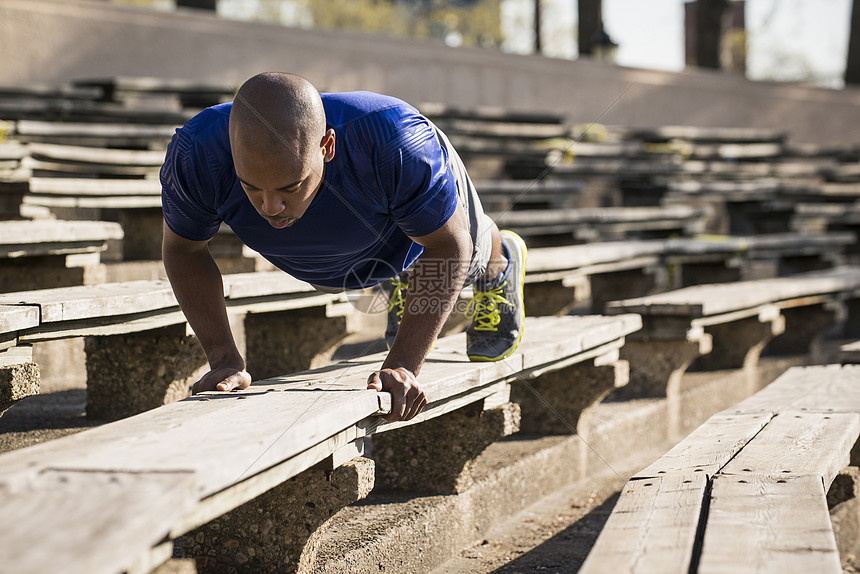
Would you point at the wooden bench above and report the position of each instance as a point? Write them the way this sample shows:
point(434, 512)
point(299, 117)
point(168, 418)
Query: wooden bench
point(559, 277)
point(135, 204)
point(38, 254)
point(590, 224)
point(488, 138)
point(114, 498)
point(109, 135)
point(499, 195)
point(748, 490)
point(76, 161)
point(725, 327)
point(131, 89)
point(136, 329)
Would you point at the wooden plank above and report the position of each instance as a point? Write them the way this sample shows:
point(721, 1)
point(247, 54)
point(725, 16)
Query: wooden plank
point(17, 317)
point(98, 202)
point(758, 524)
point(92, 155)
point(241, 285)
point(43, 231)
point(574, 256)
point(702, 300)
point(86, 186)
point(796, 442)
point(820, 388)
point(38, 128)
point(597, 215)
point(88, 301)
point(652, 528)
point(710, 447)
point(61, 512)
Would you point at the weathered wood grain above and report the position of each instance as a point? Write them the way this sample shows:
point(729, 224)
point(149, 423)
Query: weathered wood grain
point(52, 231)
point(708, 448)
point(62, 512)
point(821, 388)
point(703, 300)
point(652, 528)
point(796, 442)
point(15, 318)
point(761, 523)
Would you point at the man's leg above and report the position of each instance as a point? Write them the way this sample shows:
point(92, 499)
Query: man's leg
point(497, 310)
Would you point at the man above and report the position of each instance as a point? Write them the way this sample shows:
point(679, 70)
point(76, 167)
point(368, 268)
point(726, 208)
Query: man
point(342, 191)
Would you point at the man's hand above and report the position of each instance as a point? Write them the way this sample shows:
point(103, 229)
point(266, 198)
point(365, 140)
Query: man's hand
point(222, 379)
point(407, 398)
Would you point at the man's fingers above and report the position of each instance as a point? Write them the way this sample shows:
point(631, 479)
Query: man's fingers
point(416, 403)
point(374, 381)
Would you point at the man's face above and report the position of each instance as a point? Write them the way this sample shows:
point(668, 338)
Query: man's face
point(282, 186)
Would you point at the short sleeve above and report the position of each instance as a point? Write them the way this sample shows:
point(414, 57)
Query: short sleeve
point(422, 192)
point(183, 195)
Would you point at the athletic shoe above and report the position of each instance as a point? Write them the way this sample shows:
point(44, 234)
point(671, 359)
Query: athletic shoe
point(498, 313)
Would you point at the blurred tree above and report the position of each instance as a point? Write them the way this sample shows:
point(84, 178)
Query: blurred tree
point(455, 22)
point(852, 68)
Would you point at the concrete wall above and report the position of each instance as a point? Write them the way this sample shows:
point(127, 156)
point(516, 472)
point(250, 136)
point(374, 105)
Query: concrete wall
point(48, 42)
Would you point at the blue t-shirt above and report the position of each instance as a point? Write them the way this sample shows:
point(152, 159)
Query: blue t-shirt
point(389, 180)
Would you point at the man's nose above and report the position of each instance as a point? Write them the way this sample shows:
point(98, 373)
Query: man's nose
point(273, 204)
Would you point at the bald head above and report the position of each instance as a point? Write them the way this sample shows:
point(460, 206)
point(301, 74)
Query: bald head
point(275, 113)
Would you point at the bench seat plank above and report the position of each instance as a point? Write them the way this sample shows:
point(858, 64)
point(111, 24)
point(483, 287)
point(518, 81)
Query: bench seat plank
point(15, 318)
point(708, 448)
point(715, 299)
point(81, 507)
point(271, 421)
point(94, 155)
point(831, 388)
point(225, 439)
point(53, 231)
point(800, 443)
point(576, 256)
point(777, 524)
point(652, 528)
point(88, 301)
point(94, 187)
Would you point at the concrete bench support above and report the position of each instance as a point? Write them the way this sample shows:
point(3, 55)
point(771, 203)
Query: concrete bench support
point(804, 327)
point(51, 271)
point(843, 500)
point(555, 402)
point(657, 366)
point(166, 358)
point(620, 285)
point(548, 298)
point(436, 456)
point(279, 531)
point(700, 273)
point(291, 341)
point(738, 344)
point(17, 382)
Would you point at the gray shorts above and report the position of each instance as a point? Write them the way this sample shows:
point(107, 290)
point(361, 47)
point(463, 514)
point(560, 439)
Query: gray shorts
point(479, 223)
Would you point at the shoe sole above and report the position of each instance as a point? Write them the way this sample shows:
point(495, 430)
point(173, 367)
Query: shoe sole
point(521, 245)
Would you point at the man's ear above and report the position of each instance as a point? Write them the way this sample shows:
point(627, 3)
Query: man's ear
point(327, 144)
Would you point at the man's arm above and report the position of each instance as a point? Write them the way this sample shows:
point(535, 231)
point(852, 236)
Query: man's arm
point(197, 284)
point(435, 284)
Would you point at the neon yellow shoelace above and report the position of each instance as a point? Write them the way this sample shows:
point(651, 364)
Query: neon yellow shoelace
point(484, 308)
point(398, 298)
